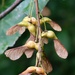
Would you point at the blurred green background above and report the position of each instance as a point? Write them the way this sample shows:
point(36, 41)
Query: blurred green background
point(62, 12)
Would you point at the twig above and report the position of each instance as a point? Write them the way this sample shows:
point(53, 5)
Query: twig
point(38, 24)
point(14, 5)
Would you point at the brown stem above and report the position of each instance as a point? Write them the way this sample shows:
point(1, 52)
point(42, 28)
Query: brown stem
point(38, 24)
point(14, 5)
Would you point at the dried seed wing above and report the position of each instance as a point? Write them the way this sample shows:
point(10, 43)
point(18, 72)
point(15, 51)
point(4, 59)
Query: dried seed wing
point(22, 30)
point(29, 53)
point(31, 38)
point(13, 30)
point(55, 26)
point(46, 64)
point(46, 11)
point(60, 50)
point(45, 40)
point(15, 53)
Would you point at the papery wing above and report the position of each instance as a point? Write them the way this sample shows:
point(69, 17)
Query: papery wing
point(15, 53)
point(13, 30)
point(29, 53)
point(60, 50)
point(45, 40)
point(46, 64)
point(55, 26)
point(22, 30)
point(31, 38)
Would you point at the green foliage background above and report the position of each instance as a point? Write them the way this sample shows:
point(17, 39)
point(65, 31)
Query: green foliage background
point(62, 12)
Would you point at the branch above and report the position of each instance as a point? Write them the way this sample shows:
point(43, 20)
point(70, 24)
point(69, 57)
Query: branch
point(38, 24)
point(7, 11)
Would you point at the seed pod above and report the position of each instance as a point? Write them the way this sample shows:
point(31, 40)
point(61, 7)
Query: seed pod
point(26, 19)
point(54, 25)
point(49, 34)
point(24, 24)
point(33, 69)
point(44, 19)
point(33, 21)
point(32, 44)
point(31, 28)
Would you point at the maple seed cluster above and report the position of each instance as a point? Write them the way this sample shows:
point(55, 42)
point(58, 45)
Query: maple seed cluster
point(43, 66)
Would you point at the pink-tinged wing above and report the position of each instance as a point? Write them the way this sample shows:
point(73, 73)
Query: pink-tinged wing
point(55, 26)
point(31, 38)
point(29, 53)
point(14, 29)
point(46, 64)
point(22, 30)
point(15, 53)
point(60, 50)
point(45, 40)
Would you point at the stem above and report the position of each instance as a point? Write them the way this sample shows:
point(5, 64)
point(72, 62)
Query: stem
point(14, 5)
point(3, 2)
point(38, 24)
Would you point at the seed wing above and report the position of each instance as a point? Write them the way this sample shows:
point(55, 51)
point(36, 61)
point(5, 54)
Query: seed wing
point(29, 53)
point(15, 53)
point(60, 50)
point(55, 26)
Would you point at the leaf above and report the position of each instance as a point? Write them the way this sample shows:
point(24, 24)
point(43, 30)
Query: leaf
point(60, 49)
point(12, 19)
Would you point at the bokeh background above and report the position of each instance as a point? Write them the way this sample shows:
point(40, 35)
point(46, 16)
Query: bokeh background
point(62, 12)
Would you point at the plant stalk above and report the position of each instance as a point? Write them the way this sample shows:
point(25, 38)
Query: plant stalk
point(8, 10)
point(38, 25)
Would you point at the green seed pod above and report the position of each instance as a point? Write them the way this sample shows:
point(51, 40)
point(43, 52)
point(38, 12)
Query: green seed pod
point(44, 19)
point(36, 46)
point(31, 28)
point(26, 19)
point(23, 23)
point(30, 44)
point(30, 19)
point(49, 34)
point(33, 20)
